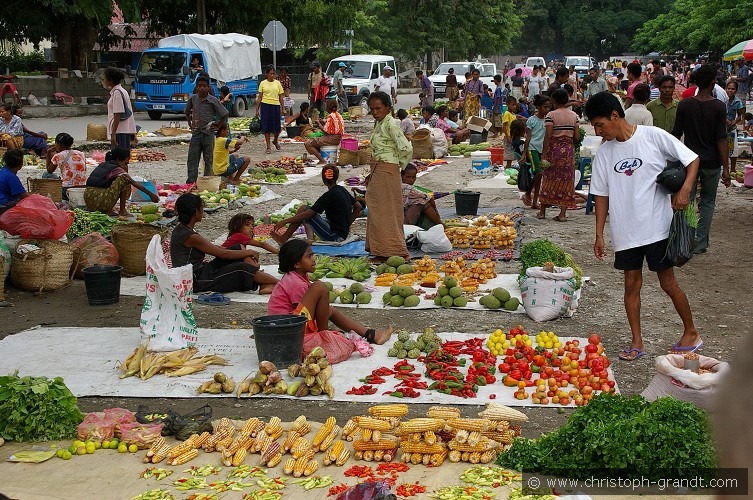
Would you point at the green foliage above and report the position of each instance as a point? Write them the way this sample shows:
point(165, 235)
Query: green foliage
point(536, 253)
point(18, 62)
point(666, 438)
point(37, 409)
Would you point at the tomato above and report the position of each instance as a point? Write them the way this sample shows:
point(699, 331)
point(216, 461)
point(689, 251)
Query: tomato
point(492, 396)
point(605, 388)
point(510, 381)
point(582, 363)
point(516, 374)
point(610, 383)
point(586, 390)
point(603, 374)
point(576, 342)
point(504, 368)
point(556, 362)
point(548, 354)
point(549, 370)
point(594, 339)
point(591, 348)
point(564, 401)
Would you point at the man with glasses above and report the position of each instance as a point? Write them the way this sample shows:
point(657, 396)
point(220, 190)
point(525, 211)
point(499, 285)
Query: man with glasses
point(664, 108)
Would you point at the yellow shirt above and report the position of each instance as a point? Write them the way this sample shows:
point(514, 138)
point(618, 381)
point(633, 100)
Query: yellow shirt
point(507, 119)
point(270, 91)
point(221, 155)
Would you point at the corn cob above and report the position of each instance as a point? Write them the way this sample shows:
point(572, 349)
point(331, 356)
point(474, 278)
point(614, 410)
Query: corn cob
point(488, 456)
point(349, 428)
point(289, 465)
point(358, 455)
point(274, 460)
point(236, 445)
point(438, 458)
point(179, 449)
point(323, 432)
point(342, 457)
point(384, 444)
point(516, 429)
point(290, 440)
point(161, 454)
point(277, 434)
point(336, 449)
point(389, 455)
point(426, 459)
point(454, 456)
point(203, 438)
point(273, 426)
point(391, 410)
point(393, 421)
point(262, 443)
point(220, 434)
point(156, 445)
point(250, 425)
point(273, 449)
point(251, 445)
point(415, 458)
point(501, 425)
point(371, 423)
point(223, 423)
point(443, 412)
point(366, 434)
point(421, 425)
point(474, 438)
point(376, 435)
point(405, 458)
point(496, 411)
point(304, 429)
point(470, 424)
point(378, 454)
point(368, 455)
point(311, 467)
point(462, 436)
point(300, 466)
point(185, 457)
point(259, 427)
point(239, 457)
point(300, 447)
point(225, 443)
point(298, 422)
point(483, 445)
point(475, 457)
point(415, 437)
point(421, 448)
point(465, 456)
point(329, 439)
point(430, 437)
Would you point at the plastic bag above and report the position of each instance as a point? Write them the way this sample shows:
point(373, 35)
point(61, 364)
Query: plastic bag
point(547, 295)
point(142, 435)
point(681, 241)
point(672, 380)
point(94, 249)
point(167, 315)
point(5, 254)
point(196, 422)
point(145, 415)
point(337, 346)
point(439, 143)
point(525, 178)
point(36, 217)
point(96, 428)
point(434, 240)
point(373, 490)
point(119, 416)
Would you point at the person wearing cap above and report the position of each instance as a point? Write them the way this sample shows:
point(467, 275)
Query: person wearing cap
point(337, 83)
point(315, 90)
point(451, 85)
point(337, 204)
point(386, 84)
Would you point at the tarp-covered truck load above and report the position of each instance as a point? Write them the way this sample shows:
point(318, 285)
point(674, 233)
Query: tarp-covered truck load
point(229, 56)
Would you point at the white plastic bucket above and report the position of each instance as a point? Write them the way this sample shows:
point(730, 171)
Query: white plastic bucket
point(481, 162)
point(329, 154)
point(76, 196)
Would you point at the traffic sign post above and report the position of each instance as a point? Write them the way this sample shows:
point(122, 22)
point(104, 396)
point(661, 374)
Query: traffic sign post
point(275, 36)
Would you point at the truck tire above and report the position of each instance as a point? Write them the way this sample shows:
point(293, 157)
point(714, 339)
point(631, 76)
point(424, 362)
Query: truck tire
point(239, 106)
point(154, 115)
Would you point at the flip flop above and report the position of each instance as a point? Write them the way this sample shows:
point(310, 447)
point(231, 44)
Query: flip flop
point(690, 348)
point(625, 354)
point(557, 218)
point(539, 216)
point(277, 145)
point(212, 299)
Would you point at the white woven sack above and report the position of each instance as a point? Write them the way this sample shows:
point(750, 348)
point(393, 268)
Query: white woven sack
point(672, 366)
point(547, 295)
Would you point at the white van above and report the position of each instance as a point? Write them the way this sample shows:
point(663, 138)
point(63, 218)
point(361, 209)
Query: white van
point(361, 72)
point(535, 61)
point(582, 64)
point(439, 77)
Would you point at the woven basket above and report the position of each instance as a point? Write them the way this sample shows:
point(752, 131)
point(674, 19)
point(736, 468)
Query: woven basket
point(2, 152)
point(131, 241)
point(364, 156)
point(211, 183)
point(96, 132)
point(348, 157)
point(45, 271)
point(52, 188)
point(422, 145)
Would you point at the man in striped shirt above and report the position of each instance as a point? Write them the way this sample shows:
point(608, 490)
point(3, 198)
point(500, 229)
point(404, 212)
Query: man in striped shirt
point(333, 127)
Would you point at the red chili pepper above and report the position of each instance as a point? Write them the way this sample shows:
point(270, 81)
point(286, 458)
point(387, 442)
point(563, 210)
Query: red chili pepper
point(492, 396)
point(389, 467)
point(373, 379)
point(363, 390)
point(404, 366)
point(336, 490)
point(382, 371)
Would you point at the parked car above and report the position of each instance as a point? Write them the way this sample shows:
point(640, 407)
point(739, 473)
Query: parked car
point(535, 61)
point(360, 75)
point(439, 77)
point(582, 64)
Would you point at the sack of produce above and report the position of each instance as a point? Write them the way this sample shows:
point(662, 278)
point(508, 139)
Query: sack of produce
point(146, 415)
point(672, 379)
point(196, 422)
point(547, 292)
point(167, 315)
point(142, 435)
point(93, 249)
point(95, 427)
point(422, 143)
point(36, 217)
point(439, 143)
point(119, 416)
point(337, 346)
point(434, 240)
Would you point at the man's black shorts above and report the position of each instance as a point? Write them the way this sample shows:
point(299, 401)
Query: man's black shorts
point(632, 258)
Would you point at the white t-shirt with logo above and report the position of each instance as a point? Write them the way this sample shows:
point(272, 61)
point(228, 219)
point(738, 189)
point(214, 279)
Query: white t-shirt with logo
point(640, 211)
point(385, 85)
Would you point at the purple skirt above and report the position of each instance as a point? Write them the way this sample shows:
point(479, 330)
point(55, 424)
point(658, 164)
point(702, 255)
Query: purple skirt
point(269, 115)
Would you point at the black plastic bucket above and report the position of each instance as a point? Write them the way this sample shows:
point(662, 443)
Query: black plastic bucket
point(466, 202)
point(102, 284)
point(279, 338)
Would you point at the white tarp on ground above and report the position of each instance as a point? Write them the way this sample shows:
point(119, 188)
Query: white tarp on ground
point(228, 57)
point(88, 358)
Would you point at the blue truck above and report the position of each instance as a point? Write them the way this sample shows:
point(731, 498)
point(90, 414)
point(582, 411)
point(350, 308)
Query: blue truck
point(166, 75)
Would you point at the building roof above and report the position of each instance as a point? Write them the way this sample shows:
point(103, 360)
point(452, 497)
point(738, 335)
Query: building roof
point(137, 43)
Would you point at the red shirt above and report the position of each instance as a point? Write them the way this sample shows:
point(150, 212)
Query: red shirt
point(237, 239)
point(287, 293)
point(690, 91)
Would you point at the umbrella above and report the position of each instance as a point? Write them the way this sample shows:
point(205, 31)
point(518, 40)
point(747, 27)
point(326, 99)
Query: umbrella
point(526, 72)
point(743, 50)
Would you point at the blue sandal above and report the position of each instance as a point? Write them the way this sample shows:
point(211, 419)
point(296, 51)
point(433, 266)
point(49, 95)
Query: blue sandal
point(212, 299)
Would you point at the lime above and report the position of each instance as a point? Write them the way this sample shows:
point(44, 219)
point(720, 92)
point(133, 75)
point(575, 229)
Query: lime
point(66, 455)
point(78, 443)
point(90, 448)
point(122, 448)
point(72, 448)
point(97, 445)
point(114, 444)
point(106, 444)
point(59, 453)
point(133, 448)
point(81, 450)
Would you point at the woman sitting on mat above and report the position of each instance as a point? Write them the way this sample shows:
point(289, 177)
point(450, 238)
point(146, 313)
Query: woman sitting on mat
point(110, 182)
point(295, 294)
point(230, 271)
point(420, 208)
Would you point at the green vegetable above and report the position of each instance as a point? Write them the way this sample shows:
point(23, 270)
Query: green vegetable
point(537, 252)
point(462, 493)
point(663, 439)
point(691, 215)
point(37, 409)
point(155, 495)
point(91, 222)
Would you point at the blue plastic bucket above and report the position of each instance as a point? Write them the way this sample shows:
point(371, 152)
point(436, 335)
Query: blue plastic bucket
point(137, 195)
point(329, 154)
point(481, 162)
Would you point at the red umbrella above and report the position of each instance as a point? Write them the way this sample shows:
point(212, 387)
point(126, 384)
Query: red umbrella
point(526, 72)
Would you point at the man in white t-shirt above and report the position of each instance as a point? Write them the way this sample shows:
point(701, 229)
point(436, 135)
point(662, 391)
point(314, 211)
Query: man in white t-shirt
point(640, 211)
point(386, 84)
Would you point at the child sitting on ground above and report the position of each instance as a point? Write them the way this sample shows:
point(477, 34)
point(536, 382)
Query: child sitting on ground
point(295, 294)
point(406, 122)
point(240, 234)
point(226, 163)
point(11, 189)
point(72, 163)
point(420, 209)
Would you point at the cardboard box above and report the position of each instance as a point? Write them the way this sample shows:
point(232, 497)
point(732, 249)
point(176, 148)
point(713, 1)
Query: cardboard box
point(355, 111)
point(476, 124)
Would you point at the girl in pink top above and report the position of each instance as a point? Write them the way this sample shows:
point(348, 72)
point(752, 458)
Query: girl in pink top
point(295, 294)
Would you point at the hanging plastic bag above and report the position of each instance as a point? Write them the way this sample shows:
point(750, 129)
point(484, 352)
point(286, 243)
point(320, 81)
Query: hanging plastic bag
point(167, 315)
point(434, 240)
point(525, 178)
point(681, 241)
point(36, 217)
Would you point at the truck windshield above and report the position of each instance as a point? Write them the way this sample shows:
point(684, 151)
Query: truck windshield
point(162, 63)
point(577, 61)
point(460, 69)
point(352, 69)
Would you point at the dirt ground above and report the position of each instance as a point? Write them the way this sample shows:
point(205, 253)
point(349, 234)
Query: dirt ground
point(714, 282)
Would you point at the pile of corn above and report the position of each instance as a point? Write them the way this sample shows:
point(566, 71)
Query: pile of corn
point(469, 445)
point(145, 364)
point(373, 436)
point(419, 442)
point(499, 237)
